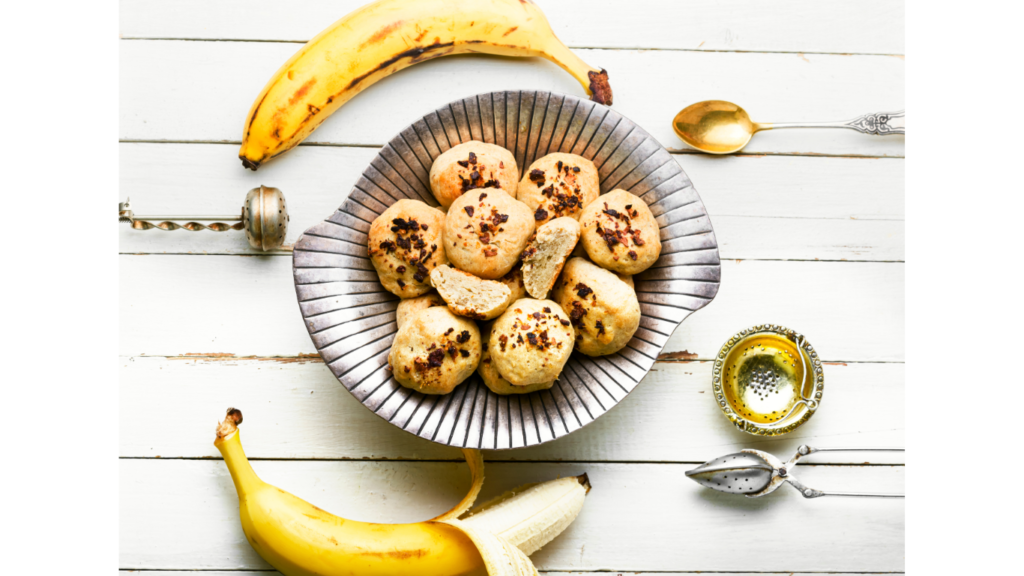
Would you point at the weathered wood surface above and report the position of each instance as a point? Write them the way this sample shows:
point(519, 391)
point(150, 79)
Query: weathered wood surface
point(178, 305)
point(770, 207)
point(295, 408)
point(841, 26)
point(199, 332)
point(200, 91)
point(638, 517)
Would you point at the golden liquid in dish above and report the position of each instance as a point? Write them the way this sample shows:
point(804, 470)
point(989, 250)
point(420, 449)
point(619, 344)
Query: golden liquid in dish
point(763, 378)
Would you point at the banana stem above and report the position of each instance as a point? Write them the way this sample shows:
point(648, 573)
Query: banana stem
point(230, 446)
point(593, 80)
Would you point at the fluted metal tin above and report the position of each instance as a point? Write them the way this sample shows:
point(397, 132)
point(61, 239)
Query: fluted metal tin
point(351, 318)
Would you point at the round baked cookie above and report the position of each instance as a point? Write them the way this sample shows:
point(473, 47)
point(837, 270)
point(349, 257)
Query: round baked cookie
point(485, 231)
point(602, 307)
point(470, 166)
point(531, 342)
point(620, 233)
point(434, 351)
point(559, 185)
point(405, 245)
point(411, 306)
point(489, 373)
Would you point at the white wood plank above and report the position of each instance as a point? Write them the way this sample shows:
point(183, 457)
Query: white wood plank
point(184, 514)
point(843, 26)
point(200, 91)
point(295, 408)
point(770, 207)
point(179, 305)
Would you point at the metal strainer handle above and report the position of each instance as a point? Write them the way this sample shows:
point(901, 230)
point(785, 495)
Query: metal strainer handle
point(806, 450)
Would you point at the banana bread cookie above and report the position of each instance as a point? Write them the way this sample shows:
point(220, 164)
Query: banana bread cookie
point(602, 307)
point(531, 342)
point(471, 166)
point(559, 185)
point(434, 351)
point(489, 373)
point(405, 244)
point(620, 233)
point(546, 254)
point(468, 295)
point(485, 231)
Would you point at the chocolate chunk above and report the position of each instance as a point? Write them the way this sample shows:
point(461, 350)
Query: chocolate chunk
point(582, 290)
point(537, 176)
point(423, 227)
point(387, 246)
point(500, 218)
point(540, 214)
point(403, 243)
point(463, 163)
point(421, 273)
point(564, 321)
point(532, 338)
point(575, 168)
point(449, 331)
point(547, 309)
point(435, 358)
point(400, 269)
point(482, 196)
point(577, 313)
point(469, 210)
point(452, 350)
point(632, 254)
point(463, 337)
point(472, 158)
point(464, 353)
point(401, 284)
point(504, 340)
point(600, 327)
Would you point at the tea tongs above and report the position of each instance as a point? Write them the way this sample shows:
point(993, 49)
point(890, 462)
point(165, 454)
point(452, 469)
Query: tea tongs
point(754, 473)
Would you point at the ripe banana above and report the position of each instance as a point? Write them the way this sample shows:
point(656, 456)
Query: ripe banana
point(300, 539)
point(384, 37)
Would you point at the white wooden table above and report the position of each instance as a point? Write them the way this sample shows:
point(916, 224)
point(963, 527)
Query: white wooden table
point(811, 227)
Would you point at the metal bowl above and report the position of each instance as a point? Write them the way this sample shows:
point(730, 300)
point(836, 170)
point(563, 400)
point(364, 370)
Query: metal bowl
point(768, 380)
point(351, 318)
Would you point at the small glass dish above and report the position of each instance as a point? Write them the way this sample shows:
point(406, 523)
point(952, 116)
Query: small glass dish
point(768, 380)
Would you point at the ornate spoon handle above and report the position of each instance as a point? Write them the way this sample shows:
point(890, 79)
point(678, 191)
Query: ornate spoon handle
point(878, 123)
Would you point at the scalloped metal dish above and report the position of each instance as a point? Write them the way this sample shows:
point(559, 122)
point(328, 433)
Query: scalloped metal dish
point(351, 318)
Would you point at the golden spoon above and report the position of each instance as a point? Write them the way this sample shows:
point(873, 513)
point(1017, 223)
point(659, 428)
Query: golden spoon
point(720, 127)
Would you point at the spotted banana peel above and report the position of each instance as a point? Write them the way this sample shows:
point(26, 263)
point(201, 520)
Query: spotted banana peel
point(496, 538)
point(384, 37)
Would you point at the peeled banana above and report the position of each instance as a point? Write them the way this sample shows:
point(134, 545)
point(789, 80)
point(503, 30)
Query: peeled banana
point(384, 37)
point(300, 539)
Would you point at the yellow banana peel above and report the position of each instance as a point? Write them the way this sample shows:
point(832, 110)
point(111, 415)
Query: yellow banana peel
point(384, 37)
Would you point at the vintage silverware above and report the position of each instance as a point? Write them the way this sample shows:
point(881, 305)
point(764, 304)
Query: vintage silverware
point(350, 317)
point(768, 380)
point(720, 127)
point(264, 218)
point(754, 473)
